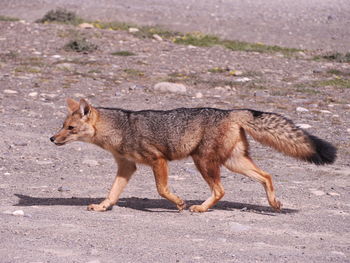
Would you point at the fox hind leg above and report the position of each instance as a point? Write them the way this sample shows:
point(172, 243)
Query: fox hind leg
point(211, 174)
point(241, 163)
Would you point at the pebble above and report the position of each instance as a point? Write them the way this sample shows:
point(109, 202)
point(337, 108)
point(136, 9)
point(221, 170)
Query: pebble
point(86, 26)
point(325, 111)
point(236, 73)
point(33, 94)
point(170, 87)
point(56, 56)
point(10, 91)
point(333, 194)
point(236, 227)
point(63, 189)
point(301, 109)
point(133, 30)
point(199, 95)
point(317, 192)
point(18, 213)
point(157, 37)
point(348, 130)
point(303, 125)
point(91, 162)
point(245, 79)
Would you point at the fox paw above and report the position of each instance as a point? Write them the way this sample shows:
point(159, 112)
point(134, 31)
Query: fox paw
point(277, 205)
point(198, 209)
point(98, 207)
point(181, 206)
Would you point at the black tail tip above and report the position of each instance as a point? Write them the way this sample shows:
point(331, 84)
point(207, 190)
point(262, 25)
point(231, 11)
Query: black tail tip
point(325, 153)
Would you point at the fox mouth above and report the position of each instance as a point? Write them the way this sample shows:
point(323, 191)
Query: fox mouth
point(59, 143)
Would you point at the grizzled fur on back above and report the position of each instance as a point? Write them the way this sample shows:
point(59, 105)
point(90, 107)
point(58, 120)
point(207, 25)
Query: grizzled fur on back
point(178, 133)
point(173, 134)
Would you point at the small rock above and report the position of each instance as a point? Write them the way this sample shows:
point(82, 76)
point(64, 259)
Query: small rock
point(325, 111)
point(18, 213)
point(199, 95)
point(63, 189)
point(236, 227)
point(170, 87)
point(65, 66)
point(191, 47)
point(236, 73)
point(317, 192)
point(157, 37)
point(303, 125)
point(333, 194)
point(133, 30)
point(86, 26)
point(10, 91)
point(244, 209)
point(91, 162)
point(348, 130)
point(301, 109)
point(33, 94)
point(56, 56)
point(245, 79)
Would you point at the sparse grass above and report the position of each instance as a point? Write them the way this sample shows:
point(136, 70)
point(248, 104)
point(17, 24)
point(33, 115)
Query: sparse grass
point(11, 55)
point(336, 82)
point(257, 47)
point(198, 39)
point(338, 72)
point(194, 39)
point(27, 69)
point(306, 90)
point(111, 25)
point(8, 18)
point(218, 70)
point(336, 57)
point(61, 15)
point(133, 72)
point(123, 53)
point(80, 45)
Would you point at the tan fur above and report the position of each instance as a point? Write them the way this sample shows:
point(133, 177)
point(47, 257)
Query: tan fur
point(212, 137)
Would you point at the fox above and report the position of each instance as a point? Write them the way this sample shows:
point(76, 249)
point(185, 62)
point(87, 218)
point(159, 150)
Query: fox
point(211, 137)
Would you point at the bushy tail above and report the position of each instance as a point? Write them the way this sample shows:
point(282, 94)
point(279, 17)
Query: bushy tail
point(282, 134)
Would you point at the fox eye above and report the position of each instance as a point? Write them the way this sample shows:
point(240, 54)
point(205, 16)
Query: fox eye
point(70, 127)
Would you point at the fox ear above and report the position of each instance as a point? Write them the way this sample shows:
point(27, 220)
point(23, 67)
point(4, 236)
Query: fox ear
point(72, 105)
point(85, 108)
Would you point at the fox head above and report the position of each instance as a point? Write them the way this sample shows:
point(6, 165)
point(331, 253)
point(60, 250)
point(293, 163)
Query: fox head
point(78, 125)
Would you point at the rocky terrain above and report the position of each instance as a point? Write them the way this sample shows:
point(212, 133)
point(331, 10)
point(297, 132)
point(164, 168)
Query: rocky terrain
point(44, 189)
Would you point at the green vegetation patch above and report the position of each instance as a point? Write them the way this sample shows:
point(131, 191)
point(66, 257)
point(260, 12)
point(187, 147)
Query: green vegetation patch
point(8, 18)
point(60, 15)
point(80, 45)
point(336, 57)
point(198, 39)
point(123, 53)
point(336, 82)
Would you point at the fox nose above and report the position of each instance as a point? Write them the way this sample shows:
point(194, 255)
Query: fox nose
point(52, 139)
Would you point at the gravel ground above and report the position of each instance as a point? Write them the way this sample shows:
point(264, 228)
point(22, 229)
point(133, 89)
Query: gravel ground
point(44, 189)
point(311, 24)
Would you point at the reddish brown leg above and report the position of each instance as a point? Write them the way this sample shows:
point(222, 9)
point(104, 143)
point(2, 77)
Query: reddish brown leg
point(125, 170)
point(160, 170)
point(244, 165)
point(211, 174)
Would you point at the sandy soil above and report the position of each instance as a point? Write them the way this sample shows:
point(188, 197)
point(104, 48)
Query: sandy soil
point(53, 185)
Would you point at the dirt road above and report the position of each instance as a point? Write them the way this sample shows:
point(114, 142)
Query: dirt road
point(44, 189)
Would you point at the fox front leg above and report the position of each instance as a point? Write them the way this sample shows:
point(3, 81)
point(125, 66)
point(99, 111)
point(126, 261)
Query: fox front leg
point(125, 170)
